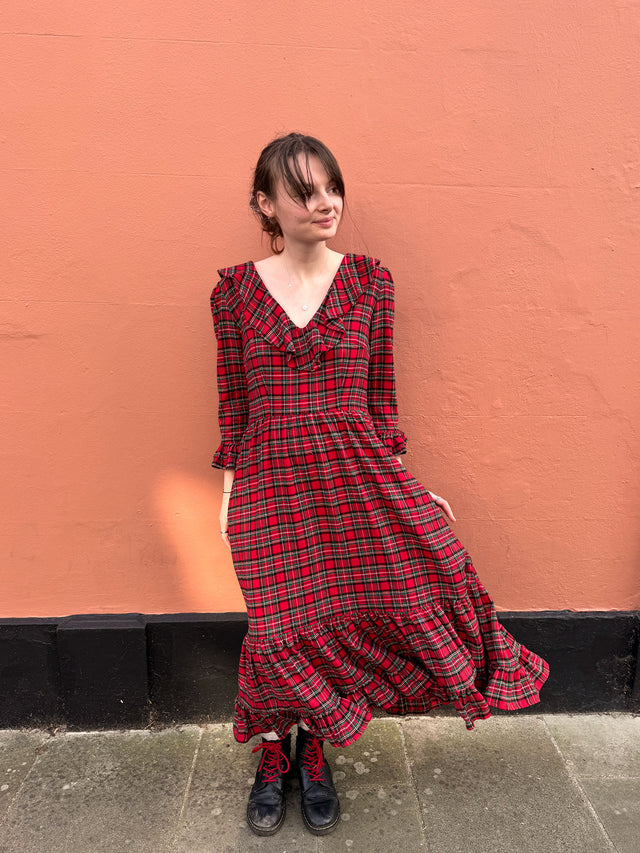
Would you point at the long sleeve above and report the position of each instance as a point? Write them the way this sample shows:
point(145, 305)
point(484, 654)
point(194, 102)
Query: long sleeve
point(381, 385)
point(232, 385)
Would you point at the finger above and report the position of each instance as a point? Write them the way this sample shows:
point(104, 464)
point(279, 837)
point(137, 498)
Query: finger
point(445, 505)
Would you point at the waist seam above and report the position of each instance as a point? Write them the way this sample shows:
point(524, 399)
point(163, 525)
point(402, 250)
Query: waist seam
point(308, 412)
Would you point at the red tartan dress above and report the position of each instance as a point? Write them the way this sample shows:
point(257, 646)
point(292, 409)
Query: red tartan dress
point(358, 593)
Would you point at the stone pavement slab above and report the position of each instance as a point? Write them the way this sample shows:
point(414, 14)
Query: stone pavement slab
point(377, 799)
point(500, 788)
point(215, 823)
point(377, 819)
point(213, 815)
point(597, 745)
point(602, 754)
point(18, 752)
point(518, 783)
point(617, 804)
point(100, 791)
point(376, 758)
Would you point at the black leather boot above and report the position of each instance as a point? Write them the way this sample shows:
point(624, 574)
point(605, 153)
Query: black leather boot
point(319, 801)
point(267, 804)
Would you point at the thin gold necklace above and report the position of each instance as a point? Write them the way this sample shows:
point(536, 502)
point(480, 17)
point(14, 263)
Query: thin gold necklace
point(304, 307)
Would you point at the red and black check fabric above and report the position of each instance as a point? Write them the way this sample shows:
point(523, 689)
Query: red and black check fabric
point(358, 593)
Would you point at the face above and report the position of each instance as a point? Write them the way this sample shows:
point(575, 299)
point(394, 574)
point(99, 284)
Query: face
point(309, 222)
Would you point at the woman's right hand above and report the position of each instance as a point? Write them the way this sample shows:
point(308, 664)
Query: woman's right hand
point(224, 512)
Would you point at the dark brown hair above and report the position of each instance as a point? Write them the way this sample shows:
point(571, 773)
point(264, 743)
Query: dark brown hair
point(280, 161)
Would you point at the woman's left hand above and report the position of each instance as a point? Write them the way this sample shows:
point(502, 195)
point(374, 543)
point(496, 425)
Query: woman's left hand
point(444, 505)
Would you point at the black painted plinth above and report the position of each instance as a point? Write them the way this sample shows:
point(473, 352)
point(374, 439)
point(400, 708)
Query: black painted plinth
point(592, 658)
point(29, 674)
point(103, 671)
point(130, 670)
point(193, 665)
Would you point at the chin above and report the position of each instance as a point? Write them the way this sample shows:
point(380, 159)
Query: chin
point(330, 232)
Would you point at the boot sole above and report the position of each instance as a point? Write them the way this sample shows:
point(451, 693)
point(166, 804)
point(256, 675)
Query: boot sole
point(258, 830)
point(323, 830)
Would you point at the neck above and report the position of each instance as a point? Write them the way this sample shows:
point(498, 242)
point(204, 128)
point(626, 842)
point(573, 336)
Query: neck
point(306, 261)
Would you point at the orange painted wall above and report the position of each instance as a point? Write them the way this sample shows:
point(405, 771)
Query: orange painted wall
point(492, 160)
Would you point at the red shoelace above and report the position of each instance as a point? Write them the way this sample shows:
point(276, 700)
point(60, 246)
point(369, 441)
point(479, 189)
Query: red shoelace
point(313, 759)
point(274, 762)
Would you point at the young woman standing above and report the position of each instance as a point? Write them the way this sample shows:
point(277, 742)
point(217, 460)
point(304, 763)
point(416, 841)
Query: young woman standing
point(358, 593)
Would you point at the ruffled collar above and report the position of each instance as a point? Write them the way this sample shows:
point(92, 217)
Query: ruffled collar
point(304, 348)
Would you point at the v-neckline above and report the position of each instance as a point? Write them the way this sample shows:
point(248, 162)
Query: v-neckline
point(322, 304)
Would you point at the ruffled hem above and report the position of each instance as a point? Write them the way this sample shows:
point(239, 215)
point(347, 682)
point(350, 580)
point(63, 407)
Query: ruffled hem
point(225, 456)
point(332, 675)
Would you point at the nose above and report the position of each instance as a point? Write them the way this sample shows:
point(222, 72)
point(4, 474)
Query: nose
point(325, 202)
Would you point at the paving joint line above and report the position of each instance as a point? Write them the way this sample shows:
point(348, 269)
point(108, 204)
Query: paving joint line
point(582, 793)
point(187, 788)
point(47, 737)
point(414, 786)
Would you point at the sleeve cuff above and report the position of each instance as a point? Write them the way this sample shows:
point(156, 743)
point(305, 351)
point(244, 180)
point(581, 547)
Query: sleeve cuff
point(395, 441)
point(225, 456)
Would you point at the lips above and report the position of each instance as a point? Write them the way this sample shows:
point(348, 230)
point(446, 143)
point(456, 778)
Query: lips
point(325, 222)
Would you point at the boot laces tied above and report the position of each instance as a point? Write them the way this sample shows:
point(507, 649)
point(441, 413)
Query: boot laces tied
point(313, 759)
point(274, 762)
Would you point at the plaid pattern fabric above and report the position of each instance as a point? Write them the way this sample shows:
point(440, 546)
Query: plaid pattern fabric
point(358, 593)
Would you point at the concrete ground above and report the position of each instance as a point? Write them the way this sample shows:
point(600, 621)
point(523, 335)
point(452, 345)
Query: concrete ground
point(516, 784)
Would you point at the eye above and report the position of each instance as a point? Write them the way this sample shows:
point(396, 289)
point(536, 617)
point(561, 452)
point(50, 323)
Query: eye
point(301, 198)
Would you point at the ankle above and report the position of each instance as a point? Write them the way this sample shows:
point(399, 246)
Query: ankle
point(271, 736)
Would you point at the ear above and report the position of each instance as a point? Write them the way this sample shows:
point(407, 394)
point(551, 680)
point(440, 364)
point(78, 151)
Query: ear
point(265, 204)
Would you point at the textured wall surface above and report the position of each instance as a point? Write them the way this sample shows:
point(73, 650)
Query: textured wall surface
point(492, 160)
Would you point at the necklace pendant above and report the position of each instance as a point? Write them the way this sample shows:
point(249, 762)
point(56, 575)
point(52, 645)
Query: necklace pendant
point(304, 307)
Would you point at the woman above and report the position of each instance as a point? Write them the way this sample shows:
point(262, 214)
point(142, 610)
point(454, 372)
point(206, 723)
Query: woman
point(358, 593)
